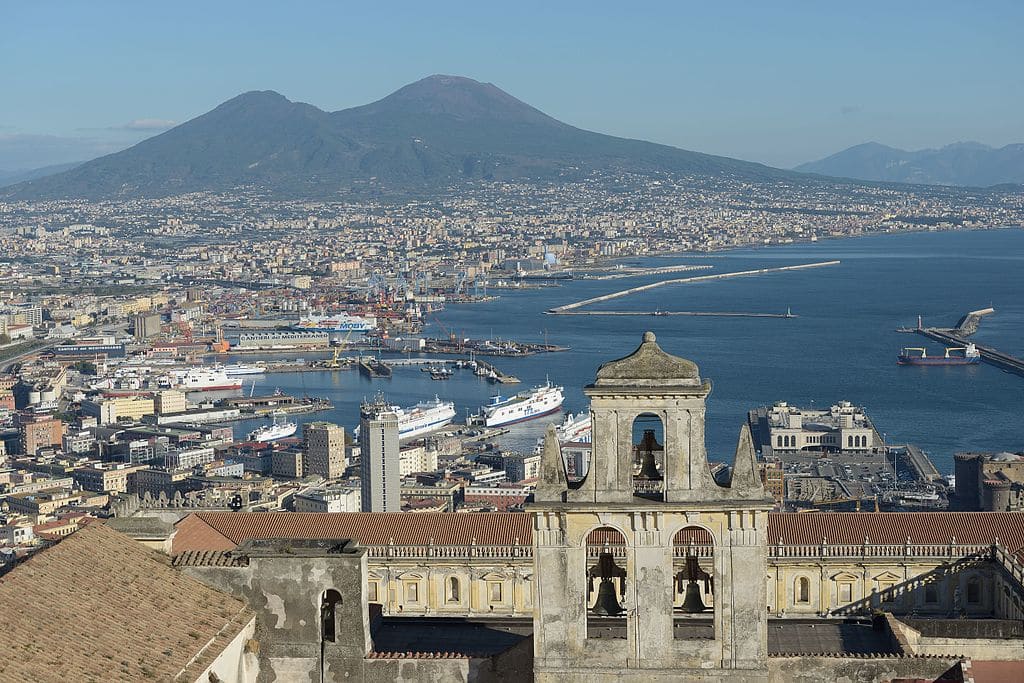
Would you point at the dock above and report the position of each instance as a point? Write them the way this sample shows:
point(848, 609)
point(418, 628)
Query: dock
point(711, 314)
point(561, 310)
point(496, 374)
point(967, 326)
point(374, 368)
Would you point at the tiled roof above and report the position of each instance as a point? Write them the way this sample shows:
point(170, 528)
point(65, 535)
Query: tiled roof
point(99, 606)
point(896, 527)
point(209, 558)
point(226, 530)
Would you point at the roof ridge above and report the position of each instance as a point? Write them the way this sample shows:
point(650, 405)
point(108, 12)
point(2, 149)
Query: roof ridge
point(201, 516)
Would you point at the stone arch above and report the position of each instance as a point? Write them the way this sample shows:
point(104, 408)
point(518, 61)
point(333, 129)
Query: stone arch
point(698, 541)
point(453, 588)
point(801, 590)
point(329, 601)
point(599, 542)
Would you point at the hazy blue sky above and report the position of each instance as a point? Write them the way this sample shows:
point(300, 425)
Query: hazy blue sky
point(778, 82)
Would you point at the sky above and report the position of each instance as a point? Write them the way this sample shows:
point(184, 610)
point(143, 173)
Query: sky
point(779, 82)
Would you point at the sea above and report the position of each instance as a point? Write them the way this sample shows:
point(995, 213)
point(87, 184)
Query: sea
point(840, 345)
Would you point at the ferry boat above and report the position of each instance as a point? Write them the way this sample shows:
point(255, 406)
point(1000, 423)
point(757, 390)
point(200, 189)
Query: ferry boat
point(338, 322)
point(425, 416)
point(202, 379)
point(575, 428)
point(959, 355)
point(280, 428)
point(235, 369)
point(526, 405)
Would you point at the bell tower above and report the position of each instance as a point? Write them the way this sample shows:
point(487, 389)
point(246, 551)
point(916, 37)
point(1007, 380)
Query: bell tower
point(647, 531)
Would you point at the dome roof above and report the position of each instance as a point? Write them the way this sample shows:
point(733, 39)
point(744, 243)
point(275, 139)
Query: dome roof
point(648, 365)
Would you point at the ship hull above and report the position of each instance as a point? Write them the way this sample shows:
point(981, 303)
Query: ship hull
point(907, 360)
point(420, 430)
point(517, 420)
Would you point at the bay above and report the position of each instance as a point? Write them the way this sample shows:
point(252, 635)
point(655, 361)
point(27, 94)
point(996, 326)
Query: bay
point(842, 345)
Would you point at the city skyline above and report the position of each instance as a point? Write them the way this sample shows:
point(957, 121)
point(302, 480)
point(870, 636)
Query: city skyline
point(657, 77)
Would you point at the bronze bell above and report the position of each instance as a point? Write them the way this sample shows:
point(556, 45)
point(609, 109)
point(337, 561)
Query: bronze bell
point(607, 604)
point(647, 446)
point(692, 603)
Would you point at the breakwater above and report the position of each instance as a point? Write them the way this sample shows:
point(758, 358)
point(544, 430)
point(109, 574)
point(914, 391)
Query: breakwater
point(560, 310)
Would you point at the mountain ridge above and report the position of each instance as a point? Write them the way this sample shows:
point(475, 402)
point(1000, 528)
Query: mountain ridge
point(434, 132)
point(966, 163)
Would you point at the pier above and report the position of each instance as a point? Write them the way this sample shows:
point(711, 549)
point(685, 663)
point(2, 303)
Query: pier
point(496, 374)
point(713, 314)
point(968, 325)
point(621, 273)
point(561, 310)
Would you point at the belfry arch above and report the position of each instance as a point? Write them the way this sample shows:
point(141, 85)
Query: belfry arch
point(659, 495)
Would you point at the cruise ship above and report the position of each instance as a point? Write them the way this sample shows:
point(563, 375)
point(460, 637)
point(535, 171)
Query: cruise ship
point(202, 379)
point(526, 405)
point(278, 429)
point(336, 322)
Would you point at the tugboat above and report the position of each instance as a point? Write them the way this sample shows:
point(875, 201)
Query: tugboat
point(954, 355)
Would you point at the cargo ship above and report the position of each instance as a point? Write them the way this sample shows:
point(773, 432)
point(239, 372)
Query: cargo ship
point(278, 429)
point(202, 379)
point(954, 355)
point(526, 405)
point(335, 323)
point(425, 416)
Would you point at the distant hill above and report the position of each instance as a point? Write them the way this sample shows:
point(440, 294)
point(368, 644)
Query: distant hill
point(20, 176)
point(431, 133)
point(962, 163)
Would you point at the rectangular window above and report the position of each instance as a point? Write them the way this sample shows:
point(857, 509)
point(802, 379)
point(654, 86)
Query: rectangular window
point(494, 588)
point(371, 591)
point(846, 592)
point(412, 592)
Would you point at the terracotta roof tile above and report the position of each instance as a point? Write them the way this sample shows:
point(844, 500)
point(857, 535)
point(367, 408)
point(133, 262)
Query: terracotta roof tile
point(226, 530)
point(99, 606)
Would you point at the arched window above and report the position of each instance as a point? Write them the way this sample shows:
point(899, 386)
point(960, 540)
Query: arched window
point(973, 590)
point(849, 442)
point(453, 589)
point(803, 590)
point(648, 456)
point(606, 579)
point(780, 441)
point(329, 602)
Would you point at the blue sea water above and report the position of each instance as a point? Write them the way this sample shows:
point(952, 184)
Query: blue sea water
point(843, 345)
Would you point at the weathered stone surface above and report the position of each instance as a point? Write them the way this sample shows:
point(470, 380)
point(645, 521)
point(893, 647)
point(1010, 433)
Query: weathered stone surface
point(648, 366)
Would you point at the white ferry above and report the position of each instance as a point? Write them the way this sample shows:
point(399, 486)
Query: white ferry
point(202, 379)
point(575, 428)
point(526, 405)
point(278, 429)
point(425, 416)
point(236, 369)
point(337, 322)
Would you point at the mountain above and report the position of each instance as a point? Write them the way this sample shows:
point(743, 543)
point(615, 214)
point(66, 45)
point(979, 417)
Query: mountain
point(19, 176)
point(429, 134)
point(962, 163)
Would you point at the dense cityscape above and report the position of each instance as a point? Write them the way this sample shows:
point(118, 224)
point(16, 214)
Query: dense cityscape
point(435, 386)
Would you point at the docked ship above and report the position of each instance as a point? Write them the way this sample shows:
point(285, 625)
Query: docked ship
point(202, 379)
point(280, 428)
point(576, 428)
point(425, 416)
point(526, 405)
point(236, 369)
point(335, 323)
point(954, 355)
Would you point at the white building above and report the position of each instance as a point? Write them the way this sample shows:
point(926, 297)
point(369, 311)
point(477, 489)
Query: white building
point(843, 427)
point(416, 459)
point(328, 499)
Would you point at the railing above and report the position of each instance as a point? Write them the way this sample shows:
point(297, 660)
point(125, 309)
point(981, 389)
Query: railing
point(495, 552)
point(1010, 563)
point(885, 550)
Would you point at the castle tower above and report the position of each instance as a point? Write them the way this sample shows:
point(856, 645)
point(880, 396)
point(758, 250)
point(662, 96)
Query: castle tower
point(664, 532)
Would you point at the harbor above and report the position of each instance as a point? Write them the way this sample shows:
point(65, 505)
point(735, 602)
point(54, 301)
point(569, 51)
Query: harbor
point(958, 337)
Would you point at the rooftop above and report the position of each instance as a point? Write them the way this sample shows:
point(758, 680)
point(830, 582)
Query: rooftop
point(147, 621)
